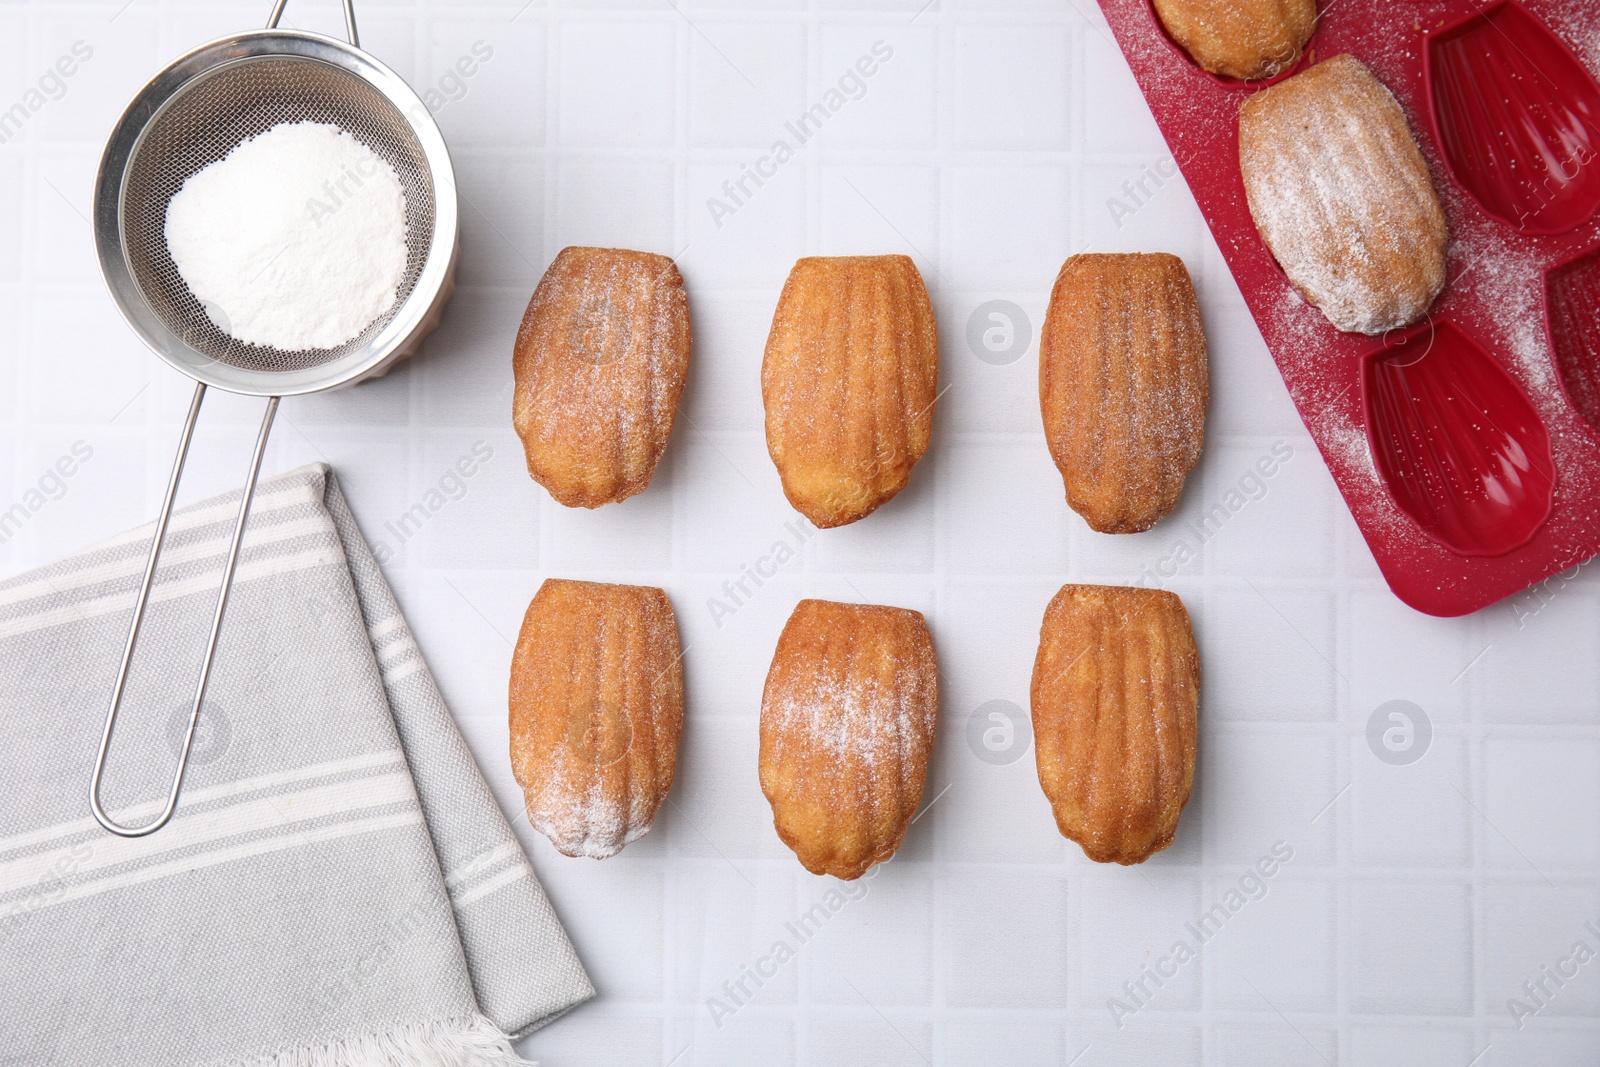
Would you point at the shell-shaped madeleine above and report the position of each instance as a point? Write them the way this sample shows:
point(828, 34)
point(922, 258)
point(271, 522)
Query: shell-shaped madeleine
point(1115, 689)
point(1123, 386)
point(600, 362)
point(1341, 194)
point(849, 380)
point(847, 723)
point(1240, 38)
point(596, 707)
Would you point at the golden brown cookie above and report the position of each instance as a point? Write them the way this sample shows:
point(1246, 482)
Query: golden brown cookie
point(1115, 689)
point(1342, 196)
point(600, 362)
point(596, 706)
point(849, 380)
point(847, 723)
point(1123, 386)
point(1240, 38)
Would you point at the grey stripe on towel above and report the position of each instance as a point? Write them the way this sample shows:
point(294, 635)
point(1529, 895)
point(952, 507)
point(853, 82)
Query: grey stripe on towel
point(338, 885)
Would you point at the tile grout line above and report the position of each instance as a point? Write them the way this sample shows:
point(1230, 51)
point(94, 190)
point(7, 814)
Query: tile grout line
point(672, 907)
point(1476, 767)
point(804, 979)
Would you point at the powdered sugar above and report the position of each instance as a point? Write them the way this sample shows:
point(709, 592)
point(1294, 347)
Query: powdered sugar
point(600, 361)
point(856, 720)
point(583, 814)
point(1341, 194)
point(847, 723)
point(295, 239)
point(596, 709)
point(1508, 274)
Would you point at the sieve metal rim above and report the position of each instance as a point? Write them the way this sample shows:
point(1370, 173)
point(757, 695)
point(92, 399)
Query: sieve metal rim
point(142, 114)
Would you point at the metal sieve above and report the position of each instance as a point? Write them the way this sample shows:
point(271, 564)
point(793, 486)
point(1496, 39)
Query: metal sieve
point(190, 115)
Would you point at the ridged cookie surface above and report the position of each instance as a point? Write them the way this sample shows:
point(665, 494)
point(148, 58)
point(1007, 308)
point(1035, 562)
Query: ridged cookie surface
point(1116, 686)
point(600, 362)
point(1240, 38)
point(1123, 386)
point(1342, 196)
point(596, 707)
point(847, 723)
point(849, 380)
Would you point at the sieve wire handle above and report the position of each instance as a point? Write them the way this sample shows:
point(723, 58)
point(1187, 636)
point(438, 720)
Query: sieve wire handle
point(349, 20)
point(144, 599)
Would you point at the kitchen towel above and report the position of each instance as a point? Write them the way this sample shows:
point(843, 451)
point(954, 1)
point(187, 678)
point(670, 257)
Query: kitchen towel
point(338, 885)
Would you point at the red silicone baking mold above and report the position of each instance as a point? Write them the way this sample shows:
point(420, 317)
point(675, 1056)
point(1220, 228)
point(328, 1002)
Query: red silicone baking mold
point(1467, 447)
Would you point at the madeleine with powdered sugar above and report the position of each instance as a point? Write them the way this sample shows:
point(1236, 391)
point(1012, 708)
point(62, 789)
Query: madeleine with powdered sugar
point(1123, 385)
point(849, 381)
point(600, 362)
point(1116, 690)
point(1342, 196)
point(1244, 39)
point(847, 723)
point(596, 707)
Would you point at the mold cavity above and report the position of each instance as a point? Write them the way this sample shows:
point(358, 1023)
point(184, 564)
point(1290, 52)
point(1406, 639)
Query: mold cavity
point(1457, 441)
point(1518, 119)
point(1572, 314)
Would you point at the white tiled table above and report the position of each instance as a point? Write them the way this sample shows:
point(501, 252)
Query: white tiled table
point(1419, 897)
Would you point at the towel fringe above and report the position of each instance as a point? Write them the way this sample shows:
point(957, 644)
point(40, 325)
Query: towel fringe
point(472, 1041)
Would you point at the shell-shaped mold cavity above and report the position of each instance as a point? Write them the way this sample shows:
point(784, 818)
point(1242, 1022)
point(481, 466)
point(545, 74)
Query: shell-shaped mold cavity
point(1458, 443)
point(1518, 119)
point(1572, 313)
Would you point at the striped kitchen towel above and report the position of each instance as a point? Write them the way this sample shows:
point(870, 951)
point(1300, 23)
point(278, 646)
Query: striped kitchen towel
point(338, 886)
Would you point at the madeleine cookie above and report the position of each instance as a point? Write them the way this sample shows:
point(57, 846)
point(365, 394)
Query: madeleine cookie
point(1240, 38)
point(600, 362)
point(1123, 386)
point(596, 706)
point(849, 380)
point(847, 723)
point(1115, 689)
point(1342, 196)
